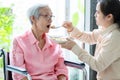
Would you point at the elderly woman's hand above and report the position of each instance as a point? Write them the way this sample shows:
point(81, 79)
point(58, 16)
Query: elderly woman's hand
point(61, 77)
point(68, 44)
point(25, 78)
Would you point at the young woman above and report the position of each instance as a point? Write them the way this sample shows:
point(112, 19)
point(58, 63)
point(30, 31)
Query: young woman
point(106, 60)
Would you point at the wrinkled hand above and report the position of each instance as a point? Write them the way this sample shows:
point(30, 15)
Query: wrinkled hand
point(62, 77)
point(25, 78)
point(68, 44)
point(68, 25)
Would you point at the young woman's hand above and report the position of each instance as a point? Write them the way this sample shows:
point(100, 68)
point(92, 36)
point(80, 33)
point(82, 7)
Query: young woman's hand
point(68, 44)
point(68, 25)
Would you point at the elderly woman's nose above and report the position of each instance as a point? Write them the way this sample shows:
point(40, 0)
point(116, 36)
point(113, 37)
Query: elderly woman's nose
point(50, 20)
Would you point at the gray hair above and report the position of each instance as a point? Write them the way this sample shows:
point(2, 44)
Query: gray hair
point(34, 11)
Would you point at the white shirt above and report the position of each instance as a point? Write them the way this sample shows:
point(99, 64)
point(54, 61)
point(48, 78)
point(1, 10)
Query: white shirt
point(106, 60)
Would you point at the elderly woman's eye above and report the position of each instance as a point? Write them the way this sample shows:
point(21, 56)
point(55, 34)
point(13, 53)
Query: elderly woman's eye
point(46, 15)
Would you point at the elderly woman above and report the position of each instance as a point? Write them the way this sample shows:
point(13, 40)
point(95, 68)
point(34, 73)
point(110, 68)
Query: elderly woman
point(35, 52)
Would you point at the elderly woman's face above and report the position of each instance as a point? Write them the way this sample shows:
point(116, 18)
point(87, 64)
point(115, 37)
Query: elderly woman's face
point(44, 21)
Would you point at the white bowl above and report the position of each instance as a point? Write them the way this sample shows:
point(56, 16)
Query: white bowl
point(59, 39)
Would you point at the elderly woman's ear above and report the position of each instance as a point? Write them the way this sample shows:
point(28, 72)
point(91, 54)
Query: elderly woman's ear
point(32, 18)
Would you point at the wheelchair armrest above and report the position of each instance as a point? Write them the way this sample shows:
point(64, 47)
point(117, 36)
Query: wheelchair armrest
point(16, 70)
point(74, 64)
point(78, 66)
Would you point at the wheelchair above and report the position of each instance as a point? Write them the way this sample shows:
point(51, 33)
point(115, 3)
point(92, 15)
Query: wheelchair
point(7, 69)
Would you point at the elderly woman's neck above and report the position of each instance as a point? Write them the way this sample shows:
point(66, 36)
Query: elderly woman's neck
point(38, 35)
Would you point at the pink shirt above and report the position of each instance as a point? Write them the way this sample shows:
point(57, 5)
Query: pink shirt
point(45, 64)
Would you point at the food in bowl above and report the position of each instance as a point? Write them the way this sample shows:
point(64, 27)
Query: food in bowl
point(59, 39)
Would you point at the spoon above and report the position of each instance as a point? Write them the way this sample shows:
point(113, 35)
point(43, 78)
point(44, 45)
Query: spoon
point(54, 27)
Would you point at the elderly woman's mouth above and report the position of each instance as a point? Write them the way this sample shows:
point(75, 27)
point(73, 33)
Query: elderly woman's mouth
point(48, 26)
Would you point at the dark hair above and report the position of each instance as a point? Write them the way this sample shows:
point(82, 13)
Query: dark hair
point(111, 7)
